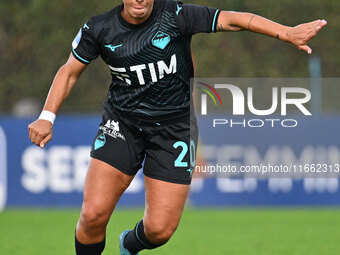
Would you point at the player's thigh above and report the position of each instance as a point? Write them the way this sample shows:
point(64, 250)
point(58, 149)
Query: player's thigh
point(104, 185)
point(164, 204)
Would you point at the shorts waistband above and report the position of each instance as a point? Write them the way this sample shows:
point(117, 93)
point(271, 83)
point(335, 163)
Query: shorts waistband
point(162, 120)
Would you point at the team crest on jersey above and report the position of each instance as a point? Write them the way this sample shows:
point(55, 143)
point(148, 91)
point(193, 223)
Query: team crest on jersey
point(161, 40)
point(112, 129)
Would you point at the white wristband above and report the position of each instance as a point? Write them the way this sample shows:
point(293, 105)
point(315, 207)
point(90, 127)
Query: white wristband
point(47, 115)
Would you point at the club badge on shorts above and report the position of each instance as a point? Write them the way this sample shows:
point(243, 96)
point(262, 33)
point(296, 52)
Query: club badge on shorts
point(100, 142)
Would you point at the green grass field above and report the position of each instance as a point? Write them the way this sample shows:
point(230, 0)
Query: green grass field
point(230, 232)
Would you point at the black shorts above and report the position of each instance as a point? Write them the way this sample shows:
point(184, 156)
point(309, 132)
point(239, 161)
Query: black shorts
point(167, 147)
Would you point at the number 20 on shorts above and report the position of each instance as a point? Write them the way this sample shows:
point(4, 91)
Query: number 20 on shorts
point(179, 161)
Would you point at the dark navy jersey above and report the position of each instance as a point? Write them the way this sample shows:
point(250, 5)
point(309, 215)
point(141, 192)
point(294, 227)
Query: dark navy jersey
point(150, 63)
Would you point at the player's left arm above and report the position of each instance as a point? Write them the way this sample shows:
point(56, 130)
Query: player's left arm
point(298, 35)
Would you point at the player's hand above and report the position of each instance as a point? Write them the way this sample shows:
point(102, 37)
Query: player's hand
point(40, 132)
point(301, 34)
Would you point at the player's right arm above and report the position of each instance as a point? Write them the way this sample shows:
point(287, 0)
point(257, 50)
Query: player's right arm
point(84, 50)
point(40, 131)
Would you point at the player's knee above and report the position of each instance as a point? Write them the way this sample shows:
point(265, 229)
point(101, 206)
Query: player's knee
point(92, 217)
point(159, 233)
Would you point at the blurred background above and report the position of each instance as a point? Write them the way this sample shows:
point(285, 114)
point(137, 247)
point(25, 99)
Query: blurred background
point(36, 38)
point(41, 190)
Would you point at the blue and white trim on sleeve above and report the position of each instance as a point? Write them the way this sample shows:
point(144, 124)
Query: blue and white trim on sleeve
point(214, 21)
point(80, 58)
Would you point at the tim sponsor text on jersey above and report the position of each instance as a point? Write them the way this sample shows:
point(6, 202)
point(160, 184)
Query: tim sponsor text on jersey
point(163, 68)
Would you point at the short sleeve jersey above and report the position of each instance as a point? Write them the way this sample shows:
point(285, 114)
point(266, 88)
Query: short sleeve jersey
point(151, 62)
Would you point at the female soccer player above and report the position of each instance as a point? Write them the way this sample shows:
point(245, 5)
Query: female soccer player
point(146, 44)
